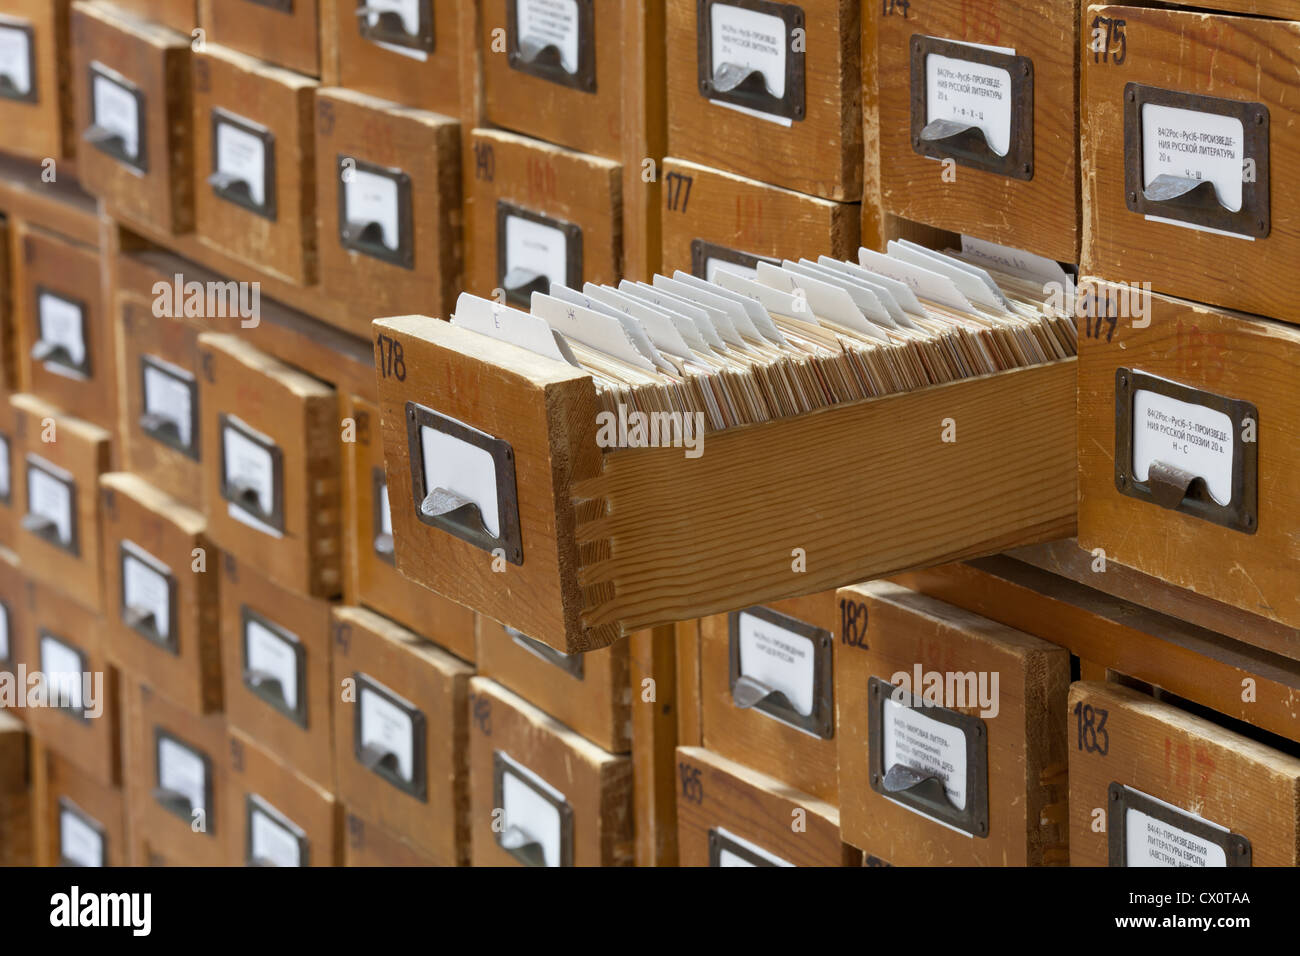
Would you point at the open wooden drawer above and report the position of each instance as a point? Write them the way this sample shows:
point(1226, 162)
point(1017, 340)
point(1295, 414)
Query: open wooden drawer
point(587, 545)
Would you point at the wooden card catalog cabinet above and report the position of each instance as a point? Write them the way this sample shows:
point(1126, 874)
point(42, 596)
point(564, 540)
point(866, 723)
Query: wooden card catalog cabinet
point(76, 821)
point(283, 32)
point(368, 844)
point(15, 794)
point(35, 96)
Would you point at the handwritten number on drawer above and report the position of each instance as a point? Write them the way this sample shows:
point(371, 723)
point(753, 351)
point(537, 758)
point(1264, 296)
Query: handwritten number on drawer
point(1093, 325)
point(898, 7)
point(482, 711)
point(485, 162)
point(1093, 736)
point(853, 623)
point(391, 359)
point(679, 191)
point(692, 785)
point(1108, 35)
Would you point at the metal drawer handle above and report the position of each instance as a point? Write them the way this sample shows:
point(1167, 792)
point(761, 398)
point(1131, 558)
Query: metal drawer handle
point(140, 619)
point(524, 282)
point(1169, 484)
point(246, 496)
point(47, 351)
point(157, 424)
point(264, 682)
point(523, 847)
point(104, 138)
point(174, 800)
point(1184, 192)
point(40, 525)
point(454, 509)
point(748, 693)
point(380, 760)
point(925, 787)
point(388, 24)
point(228, 184)
point(959, 137)
point(734, 78)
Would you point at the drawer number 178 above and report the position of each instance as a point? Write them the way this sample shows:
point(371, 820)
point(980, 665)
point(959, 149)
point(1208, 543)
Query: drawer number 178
point(390, 359)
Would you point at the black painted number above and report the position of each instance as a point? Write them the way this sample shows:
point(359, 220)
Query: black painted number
point(853, 623)
point(679, 191)
point(391, 358)
point(896, 7)
point(1093, 737)
point(485, 162)
point(1107, 36)
point(692, 785)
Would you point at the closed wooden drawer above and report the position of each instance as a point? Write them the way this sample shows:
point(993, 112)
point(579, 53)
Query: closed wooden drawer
point(1186, 460)
point(373, 578)
point(80, 716)
point(577, 583)
point(275, 666)
point(731, 815)
point(77, 821)
point(767, 690)
point(255, 195)
point(952, 746)
point(1217, 227)
point(372, 845)
point(589, 692)
point(271, 475)
point(283, 32)
point(9, 361)
point(540, 794)
point(34, 72)
point(978, 112)
point(15, 630)
point(281, 817)
point(131, 79)
point(711, 217)
point(402, 727)
point(535, 209)
point(783, 108)
point(9, 475)
point(160, 591)
point(388, 199)
point(65, 338)
point(413, 58)
point(177, 782)
point(58, 464)
point(15, 795)
point(180, 15)
point(1154, 785)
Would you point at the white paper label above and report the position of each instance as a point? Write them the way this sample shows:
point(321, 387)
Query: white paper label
point(271, 841)
point(1194, 145)
point(50, 498)
point(779, 658)
point(370, 197)
point(4, 468)
point(523, 807)
point(551, 23)
point(1187, 436)
point(61, 666)
point(249, 465)
point(752, 41)
point(388, 728)
point(4, 632)
point(62, 323)
point(1152, 842)
point(466, 469)
point(976, 94)
point(914, 740)
point(145, 588)
point(385, 511)
point(242, 156)
point(536, 247)
point(79, 842)
point(15, 58)
point(182, 770)
point(167, 393)
point(118, 111)
point(272, 653)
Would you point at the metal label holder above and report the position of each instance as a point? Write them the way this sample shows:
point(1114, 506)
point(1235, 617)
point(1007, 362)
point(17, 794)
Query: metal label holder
point(965, 143)
point(247, 498)
point(144, 623)
point(53, 354)
point(7, 659)
point(749, 693)
point(1235, 847)
point(76, 713)
point(720, 841)
point(450, 512)
point(382, 764)
point(44, 528)
point(388, 27)
point(177, 804)
point(280, 6)
point(1179, 490)
point(159, 427)
point(254, 804)
point(107, 141)
point(514, 841)
point(1195, 200)
point(267, 686)
point(69, 808)
point(731, 83)
point(543, 60)
point(702, 251)
point(381, 540)
point(6, 451)
point(8, 89)
point(367, 237)
point(571, 664)
point(237, 191)
point(922, 792)
point(519, 283)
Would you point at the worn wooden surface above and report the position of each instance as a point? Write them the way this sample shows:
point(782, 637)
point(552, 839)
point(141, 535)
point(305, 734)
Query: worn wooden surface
point(157, 60)
point(13, 595)
point(15, 794)
point(283, 102)
point(176, 535)
point(1024, 727)
point(47, 123)
point(1224, 354)
point(1041, 214)
point(371, 845)
point(300, 414)
point(1236, 58)
point(596, 784)
point(437, 684)
point(1199, 767)
point(287, 38)
point(425, 146)
point(753, 738)
point(61, 206)
point(749, 216)
point(9, 515)
point(820, 154)
point(872, 207)
point(55, 779)
point(1195, 663)
point(180, 15)
point(82, 449)
point(716, 793)
point(652, 659)
point(311, 806)
point(686, 635)
point(309, 749)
